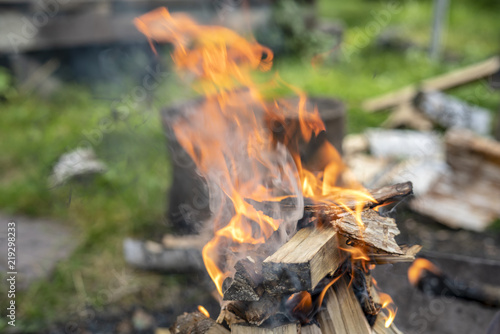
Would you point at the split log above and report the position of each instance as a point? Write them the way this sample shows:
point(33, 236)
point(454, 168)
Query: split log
point(292, 328)
point(150, 255)
point(310, 255)
point(441, 82)
point(196, 323)
point(342, 313)
point(449, 112)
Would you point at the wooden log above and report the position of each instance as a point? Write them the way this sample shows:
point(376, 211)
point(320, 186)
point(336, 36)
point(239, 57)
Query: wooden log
point(303, 261)
point(149, 255)
point(449, 112)
point(196, 323)
point(342, 313)
point(441, 82)
point(292, 328)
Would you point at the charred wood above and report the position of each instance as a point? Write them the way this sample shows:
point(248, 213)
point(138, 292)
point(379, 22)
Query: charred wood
point(196, 323)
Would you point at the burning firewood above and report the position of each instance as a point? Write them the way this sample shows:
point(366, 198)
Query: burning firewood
point(282, 259)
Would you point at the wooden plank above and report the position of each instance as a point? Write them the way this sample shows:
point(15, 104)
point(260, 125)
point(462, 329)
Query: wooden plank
point(342, 313)
point(310, 255)
point(441, 82)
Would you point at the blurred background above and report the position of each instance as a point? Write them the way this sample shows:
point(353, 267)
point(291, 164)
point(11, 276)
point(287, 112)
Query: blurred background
point(410, 92)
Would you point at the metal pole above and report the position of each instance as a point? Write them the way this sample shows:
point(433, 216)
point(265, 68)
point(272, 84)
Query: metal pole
point(440, 15)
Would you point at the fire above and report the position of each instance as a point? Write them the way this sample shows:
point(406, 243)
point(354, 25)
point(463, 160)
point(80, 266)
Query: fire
point(302, 302)
point(388, 304)
point(241, 159)
point(417, 269)
point(203, 311)
point(323, 292)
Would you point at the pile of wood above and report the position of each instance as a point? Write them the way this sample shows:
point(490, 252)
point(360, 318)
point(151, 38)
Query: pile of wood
point(467, 196)
point(421, 106)
point(317, 282)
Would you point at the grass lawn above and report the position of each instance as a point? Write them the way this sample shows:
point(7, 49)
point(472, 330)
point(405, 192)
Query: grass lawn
point(130, 198)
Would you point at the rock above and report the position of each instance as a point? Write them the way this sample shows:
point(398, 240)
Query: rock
point(40, 244)
point(77, 163)
point(142, 320)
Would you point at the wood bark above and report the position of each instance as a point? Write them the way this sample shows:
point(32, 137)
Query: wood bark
point(375, 231)
point(246, 284)
point(254, 313)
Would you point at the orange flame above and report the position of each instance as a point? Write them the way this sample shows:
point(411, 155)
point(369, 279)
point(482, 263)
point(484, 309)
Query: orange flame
point(418, 267)
point(388, 304)
point(230, 144)
point(302, 301)
point(323, 292)
point(203, 311)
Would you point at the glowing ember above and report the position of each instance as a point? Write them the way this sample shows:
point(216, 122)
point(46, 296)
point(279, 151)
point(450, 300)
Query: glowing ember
point(417, 269)
point(203, 311)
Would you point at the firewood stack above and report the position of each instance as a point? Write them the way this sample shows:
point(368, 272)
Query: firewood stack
point(317, 282)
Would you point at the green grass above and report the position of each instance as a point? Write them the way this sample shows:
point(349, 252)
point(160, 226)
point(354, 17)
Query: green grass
point(130, 198)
